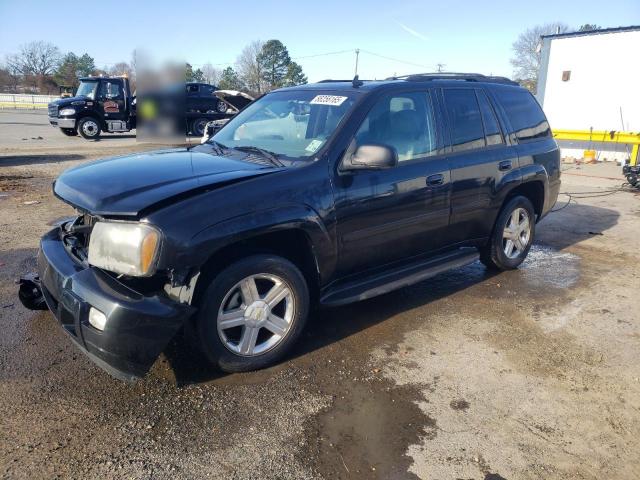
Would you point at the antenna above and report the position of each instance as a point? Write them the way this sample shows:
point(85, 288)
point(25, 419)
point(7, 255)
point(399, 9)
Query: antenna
point(356, 82)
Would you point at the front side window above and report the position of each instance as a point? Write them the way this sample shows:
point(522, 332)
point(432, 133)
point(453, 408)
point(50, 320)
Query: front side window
point(465, 121)
point(404, 122)
point(293, 124)
point(525, 115)
point(110, 90)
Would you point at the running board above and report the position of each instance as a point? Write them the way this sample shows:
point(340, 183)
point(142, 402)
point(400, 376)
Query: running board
point(398, 277)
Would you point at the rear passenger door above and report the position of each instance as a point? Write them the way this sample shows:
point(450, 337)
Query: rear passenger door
point(481, 161)
point(391, 214)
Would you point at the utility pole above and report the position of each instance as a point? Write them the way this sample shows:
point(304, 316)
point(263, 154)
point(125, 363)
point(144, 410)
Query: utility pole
point(357, 55)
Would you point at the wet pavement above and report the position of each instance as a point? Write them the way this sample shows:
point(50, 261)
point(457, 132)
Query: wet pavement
point(533, 373)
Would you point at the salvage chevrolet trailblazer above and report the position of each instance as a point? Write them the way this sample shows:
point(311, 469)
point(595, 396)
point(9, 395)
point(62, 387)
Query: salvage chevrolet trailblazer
point(324, 194)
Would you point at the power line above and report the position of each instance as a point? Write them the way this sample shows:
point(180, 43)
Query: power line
point(394, 59)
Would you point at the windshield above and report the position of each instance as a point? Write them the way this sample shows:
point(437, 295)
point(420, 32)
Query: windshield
point(87, 89)
point(294, 124)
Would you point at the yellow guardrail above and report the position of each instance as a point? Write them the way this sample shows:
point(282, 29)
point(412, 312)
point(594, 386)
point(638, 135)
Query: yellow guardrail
point(607, 136)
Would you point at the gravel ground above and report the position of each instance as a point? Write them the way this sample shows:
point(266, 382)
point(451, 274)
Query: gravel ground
point(531, 374)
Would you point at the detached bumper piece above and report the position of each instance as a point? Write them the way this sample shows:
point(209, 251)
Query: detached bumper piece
point(632, 173)
point(137, 327)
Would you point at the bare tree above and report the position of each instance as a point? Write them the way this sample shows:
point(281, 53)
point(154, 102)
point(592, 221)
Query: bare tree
point(121, 68)
point(526, 52)
point(211, 74)
point(38, 58)
point(249, 69)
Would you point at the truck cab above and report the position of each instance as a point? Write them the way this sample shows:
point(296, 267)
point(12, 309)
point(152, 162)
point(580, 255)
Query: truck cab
point(101, 104)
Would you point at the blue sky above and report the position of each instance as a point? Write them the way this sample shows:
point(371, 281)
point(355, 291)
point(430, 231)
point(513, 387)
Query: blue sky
point(465, 35)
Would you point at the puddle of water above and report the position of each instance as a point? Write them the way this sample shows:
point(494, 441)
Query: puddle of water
point(547, 267)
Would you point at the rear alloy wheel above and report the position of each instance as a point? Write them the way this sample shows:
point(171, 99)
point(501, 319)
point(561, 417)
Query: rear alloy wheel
point(197, 126)
point(89, 128)
point(512, 235)
point(252, 313)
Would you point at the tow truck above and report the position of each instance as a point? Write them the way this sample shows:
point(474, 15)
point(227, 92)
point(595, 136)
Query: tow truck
point(107, 104)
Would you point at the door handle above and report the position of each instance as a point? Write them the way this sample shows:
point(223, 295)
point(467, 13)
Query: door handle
point(504, 166)
point(435, 180)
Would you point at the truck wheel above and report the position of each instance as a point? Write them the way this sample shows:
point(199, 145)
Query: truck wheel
point(69, 132)
point(512, 235)
point(89, 128)
point(198, 125)
point(252, 313)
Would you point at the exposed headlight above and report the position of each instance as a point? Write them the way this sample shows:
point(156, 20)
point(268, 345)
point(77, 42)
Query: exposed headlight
point(128, 248)
point(67, 111)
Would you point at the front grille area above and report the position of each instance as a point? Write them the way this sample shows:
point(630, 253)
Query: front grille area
point(53, 111)
point(76, 234)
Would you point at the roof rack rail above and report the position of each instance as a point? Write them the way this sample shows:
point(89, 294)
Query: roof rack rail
point(330, 80)
point(467, 77)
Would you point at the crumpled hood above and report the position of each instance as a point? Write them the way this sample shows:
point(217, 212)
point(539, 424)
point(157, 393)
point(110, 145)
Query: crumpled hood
point(124, 186)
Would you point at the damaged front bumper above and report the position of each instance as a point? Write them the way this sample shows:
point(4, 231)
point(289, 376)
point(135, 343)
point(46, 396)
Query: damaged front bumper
point(138, 327)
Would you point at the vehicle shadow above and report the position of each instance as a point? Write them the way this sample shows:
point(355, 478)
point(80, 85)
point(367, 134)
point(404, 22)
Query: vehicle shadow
point(17, 160)
point(559, 230)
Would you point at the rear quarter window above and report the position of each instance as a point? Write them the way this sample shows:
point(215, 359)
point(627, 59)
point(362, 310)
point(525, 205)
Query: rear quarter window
point(525, 115)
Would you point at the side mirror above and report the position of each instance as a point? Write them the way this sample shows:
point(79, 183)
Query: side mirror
point(371, 157)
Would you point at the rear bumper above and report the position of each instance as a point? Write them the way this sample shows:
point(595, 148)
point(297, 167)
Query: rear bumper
point(138, 327)
point(63, 122)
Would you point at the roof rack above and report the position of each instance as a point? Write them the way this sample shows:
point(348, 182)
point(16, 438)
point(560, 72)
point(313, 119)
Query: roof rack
point(466, 77)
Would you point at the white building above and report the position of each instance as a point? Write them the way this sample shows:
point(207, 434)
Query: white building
point(591, 80)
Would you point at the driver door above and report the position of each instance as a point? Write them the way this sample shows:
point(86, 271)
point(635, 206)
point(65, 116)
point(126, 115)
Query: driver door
point(111, 100)
point(392, 214)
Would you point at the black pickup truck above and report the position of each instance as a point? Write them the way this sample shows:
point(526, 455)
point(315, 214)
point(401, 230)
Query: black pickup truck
point(327, 193)
point(107, 104)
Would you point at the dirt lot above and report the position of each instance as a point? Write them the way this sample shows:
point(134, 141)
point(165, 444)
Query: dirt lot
point(527, 374)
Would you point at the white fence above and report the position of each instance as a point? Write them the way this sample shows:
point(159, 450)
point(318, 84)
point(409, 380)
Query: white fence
point(24, 101)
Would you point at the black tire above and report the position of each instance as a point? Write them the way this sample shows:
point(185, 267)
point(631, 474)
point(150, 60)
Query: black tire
point(69, 132)
point(198, 125)
point(89, 128)
point(493, 255)
point(210, 303)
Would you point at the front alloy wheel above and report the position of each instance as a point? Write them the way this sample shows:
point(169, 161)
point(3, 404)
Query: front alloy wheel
point(256, 314)
point(251, 313)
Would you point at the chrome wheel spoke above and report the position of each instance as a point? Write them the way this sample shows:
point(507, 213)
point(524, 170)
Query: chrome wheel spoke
point(508, 247)
point(234, 318)
point(276, 325)
point(248, 340)
point(277, 293)
point(249, 291)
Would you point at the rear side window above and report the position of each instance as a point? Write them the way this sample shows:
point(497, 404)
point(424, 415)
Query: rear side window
point(525, 115)
point(491, 129)
point(465, 120)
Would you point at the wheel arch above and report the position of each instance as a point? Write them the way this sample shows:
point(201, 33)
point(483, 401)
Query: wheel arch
point(533, 190)
point(291, 242)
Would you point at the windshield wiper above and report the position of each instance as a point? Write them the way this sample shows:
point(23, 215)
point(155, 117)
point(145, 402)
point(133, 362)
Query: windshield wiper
point(271, 156)
point(219, 148)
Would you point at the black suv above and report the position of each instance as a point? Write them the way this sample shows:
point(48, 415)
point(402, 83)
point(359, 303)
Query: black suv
point(326, 193)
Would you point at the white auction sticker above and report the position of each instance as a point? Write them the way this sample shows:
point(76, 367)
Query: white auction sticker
point(313, 146)
point(332, 100)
